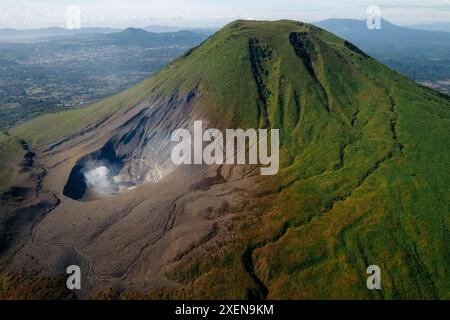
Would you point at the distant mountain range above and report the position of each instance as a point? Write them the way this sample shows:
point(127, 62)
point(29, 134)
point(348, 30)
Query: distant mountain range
point(130, 36)
point(45, 34)
point(391, 39)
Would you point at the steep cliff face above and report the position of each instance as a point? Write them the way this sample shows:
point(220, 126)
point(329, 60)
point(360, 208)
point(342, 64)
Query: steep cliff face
point(137, 151)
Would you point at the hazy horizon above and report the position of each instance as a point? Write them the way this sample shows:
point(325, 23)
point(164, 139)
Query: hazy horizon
point(189, 27)
point(26, 14)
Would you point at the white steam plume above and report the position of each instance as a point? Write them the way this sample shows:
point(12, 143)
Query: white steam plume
point(99, 179)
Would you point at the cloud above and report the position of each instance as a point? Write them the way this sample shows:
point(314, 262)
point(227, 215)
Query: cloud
point(204, 13)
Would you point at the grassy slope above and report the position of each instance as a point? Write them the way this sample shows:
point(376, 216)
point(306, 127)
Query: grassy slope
point(365, 166)
point(366, 183)
point(8, 148)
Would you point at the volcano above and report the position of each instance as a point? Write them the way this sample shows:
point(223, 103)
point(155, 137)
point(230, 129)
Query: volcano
point(363, 179)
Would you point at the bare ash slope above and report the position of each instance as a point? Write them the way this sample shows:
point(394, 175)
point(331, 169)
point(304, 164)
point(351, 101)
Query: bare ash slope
point(364, 178)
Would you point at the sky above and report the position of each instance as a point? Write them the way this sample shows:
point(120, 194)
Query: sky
point(28, 14)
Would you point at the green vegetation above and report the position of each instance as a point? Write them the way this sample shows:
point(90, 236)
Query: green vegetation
point(364, 176)
point(63, 124)
point(32, 286)
point(8, 149)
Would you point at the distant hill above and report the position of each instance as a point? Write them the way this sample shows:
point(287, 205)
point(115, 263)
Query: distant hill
point(129, 36)
point(432, 27)
point(35, 35)
point(161, 29)
point(144, 38)
point(391, 39)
